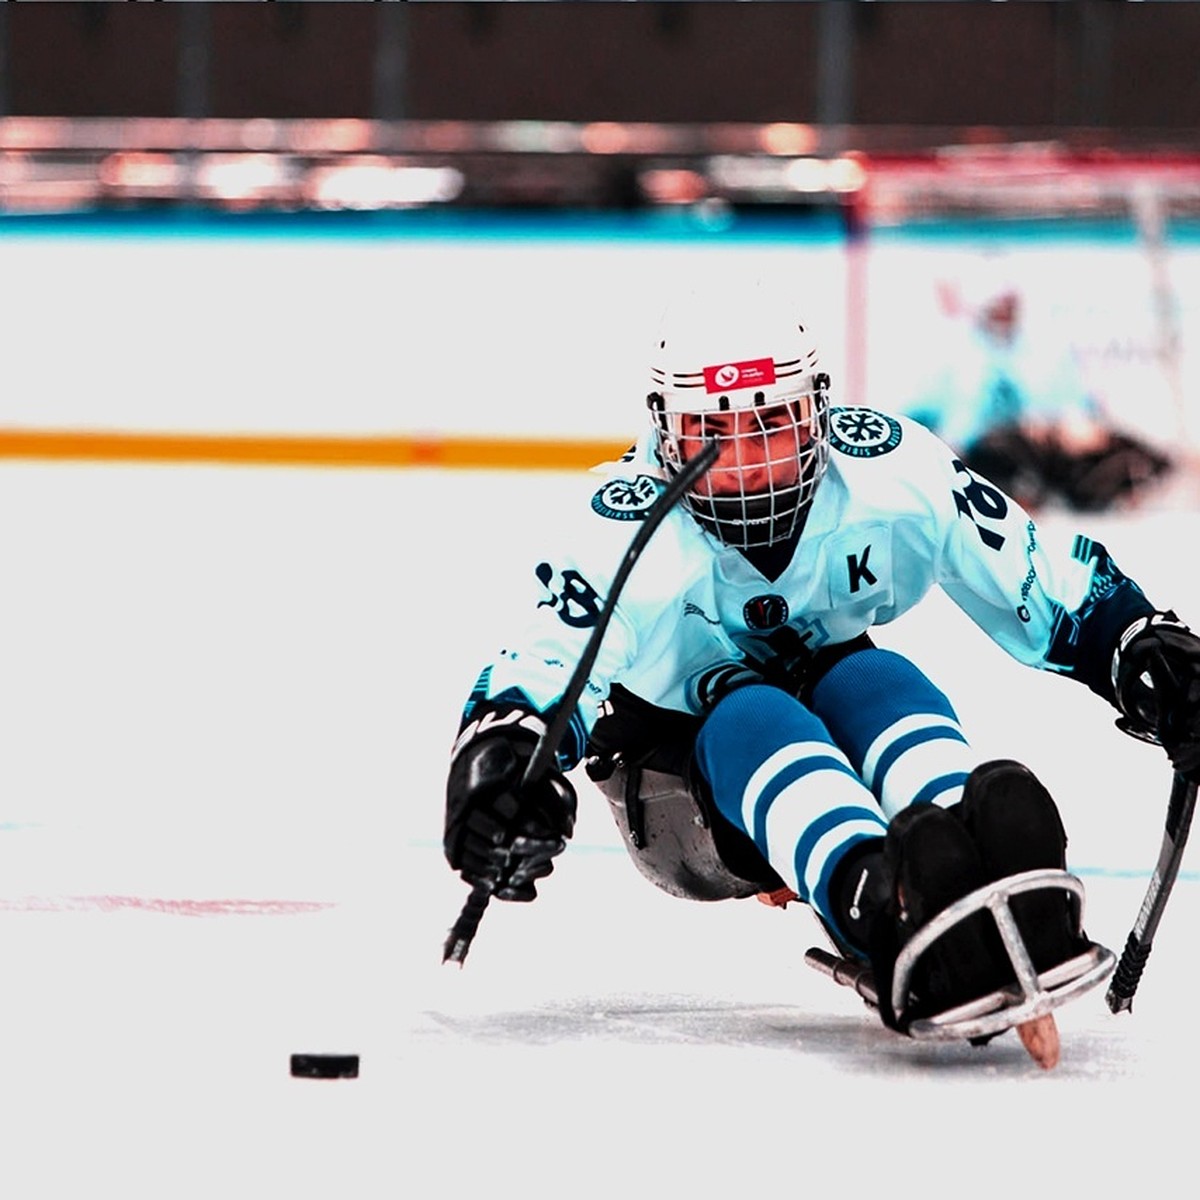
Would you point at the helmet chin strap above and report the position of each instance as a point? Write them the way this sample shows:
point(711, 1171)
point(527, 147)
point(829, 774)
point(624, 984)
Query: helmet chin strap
point(745, 522)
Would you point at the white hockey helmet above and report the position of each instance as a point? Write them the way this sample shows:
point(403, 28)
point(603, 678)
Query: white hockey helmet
point(742, 369)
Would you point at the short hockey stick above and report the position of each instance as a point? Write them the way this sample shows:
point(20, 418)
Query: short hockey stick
point(459, 940)
point(1128, 974)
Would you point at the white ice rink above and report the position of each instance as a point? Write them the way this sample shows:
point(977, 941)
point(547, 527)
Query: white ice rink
point(226, 701)
point(226, 698)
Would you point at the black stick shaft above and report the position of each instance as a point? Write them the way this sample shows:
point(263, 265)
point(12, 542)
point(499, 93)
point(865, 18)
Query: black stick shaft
point(459, 940)
point(1128, 974)
point(549, 742)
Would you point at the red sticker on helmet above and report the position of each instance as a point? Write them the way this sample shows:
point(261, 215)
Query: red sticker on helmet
point(755, 372)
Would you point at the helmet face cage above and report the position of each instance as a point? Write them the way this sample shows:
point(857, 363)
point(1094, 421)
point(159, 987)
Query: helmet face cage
point(773, 450)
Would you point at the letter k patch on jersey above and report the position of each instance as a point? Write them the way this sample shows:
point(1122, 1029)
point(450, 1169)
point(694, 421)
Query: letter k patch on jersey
point(860, 567)
point(860, 571)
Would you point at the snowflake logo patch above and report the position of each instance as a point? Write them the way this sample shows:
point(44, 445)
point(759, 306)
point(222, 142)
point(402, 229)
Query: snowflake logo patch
point(627, 499)
point(863, 432)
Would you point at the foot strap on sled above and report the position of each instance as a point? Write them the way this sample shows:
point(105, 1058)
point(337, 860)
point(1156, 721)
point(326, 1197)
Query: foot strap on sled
point(1031, 996)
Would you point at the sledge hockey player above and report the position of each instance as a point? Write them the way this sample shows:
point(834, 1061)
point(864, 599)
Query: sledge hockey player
point(749, 736)
point(1015, 406)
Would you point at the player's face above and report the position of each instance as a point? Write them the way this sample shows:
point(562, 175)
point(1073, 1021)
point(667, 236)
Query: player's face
point(758, 448)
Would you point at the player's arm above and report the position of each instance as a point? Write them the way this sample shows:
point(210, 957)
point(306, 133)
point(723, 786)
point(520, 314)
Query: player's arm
point(501, 828)
point(1075, 613)
point(1143, 661)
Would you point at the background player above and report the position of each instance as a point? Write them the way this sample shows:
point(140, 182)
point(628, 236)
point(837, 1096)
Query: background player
point(1011, 399)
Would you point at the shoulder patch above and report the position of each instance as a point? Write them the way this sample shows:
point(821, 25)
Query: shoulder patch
point(863, 432)
point(627, 499)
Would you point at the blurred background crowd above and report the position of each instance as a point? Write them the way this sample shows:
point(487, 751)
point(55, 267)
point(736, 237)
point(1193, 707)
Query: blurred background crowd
point(1014, 188)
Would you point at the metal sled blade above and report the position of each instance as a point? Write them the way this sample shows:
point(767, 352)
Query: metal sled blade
point(1032, 995)
point(1011, 1006)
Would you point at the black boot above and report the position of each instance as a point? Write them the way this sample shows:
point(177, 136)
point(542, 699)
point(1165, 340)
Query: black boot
point(886, 888)
point(859, 890)
point(1016, 825)
point(934, 862)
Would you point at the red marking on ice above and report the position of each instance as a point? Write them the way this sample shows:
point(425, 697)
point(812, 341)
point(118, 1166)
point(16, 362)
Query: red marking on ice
point(160, 904)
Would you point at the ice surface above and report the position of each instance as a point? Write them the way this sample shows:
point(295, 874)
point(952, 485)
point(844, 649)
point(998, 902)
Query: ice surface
point(227, 697)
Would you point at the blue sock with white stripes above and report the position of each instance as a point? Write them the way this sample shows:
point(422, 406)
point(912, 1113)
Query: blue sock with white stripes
point(776, 774)
point(898, 730)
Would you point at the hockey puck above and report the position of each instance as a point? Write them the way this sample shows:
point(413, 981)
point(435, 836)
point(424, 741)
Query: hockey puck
point(325, 1066)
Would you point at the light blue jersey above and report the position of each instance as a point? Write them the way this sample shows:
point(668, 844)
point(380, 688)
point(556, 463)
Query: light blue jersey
point(895, 515)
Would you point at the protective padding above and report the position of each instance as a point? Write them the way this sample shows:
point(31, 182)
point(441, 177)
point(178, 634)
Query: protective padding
point(673, 844)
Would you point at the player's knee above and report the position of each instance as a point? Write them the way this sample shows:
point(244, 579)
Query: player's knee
point(881, 679)
point(758, 714)
point(744, 730)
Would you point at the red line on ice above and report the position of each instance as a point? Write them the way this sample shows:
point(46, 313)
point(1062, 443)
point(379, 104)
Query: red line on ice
point(159, 904)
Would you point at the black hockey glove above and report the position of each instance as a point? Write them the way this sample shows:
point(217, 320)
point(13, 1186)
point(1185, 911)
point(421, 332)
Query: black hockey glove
point(1156, 678)
point(498, 831)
